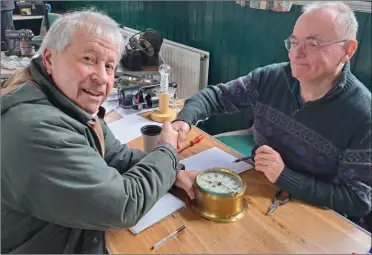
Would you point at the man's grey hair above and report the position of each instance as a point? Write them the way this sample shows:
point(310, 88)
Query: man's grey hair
point(346, 23)
point(93, 22)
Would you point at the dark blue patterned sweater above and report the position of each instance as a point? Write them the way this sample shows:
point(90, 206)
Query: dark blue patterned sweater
point(325, 144)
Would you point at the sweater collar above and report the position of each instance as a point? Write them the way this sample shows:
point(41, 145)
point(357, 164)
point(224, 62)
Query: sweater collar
point(55, 96)
point(341, 85)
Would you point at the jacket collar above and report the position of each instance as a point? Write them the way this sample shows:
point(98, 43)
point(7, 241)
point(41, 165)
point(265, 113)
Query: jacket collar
point(55, 96)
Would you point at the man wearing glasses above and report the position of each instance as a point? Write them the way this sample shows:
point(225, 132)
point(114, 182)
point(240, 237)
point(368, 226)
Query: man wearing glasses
point(312, 116)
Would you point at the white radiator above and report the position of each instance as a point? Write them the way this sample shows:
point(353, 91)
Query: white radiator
point(189, 66)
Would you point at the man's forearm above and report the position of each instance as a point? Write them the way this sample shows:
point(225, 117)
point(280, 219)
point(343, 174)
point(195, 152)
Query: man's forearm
point(126, 158)
point(200, 106)
point(118, 155)
point(353, 199)
point(222, 98)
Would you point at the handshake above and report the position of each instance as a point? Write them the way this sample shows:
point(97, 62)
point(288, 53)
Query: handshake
point(174, 134)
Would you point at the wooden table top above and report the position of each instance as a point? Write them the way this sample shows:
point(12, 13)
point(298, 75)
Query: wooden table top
point(296, 227)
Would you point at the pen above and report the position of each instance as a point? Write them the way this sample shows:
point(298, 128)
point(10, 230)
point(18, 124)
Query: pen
point(249, 159)
point(169, 237)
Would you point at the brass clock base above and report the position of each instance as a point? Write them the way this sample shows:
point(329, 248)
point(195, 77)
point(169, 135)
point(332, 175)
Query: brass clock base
point(218, 218)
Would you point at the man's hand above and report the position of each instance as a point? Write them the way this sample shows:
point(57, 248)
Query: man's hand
point(185, 181)
point(168, 135)
point(183, 129)
point(269, 162)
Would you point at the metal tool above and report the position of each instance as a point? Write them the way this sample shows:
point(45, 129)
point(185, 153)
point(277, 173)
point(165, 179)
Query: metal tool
point(277, 202)
point(140, 96)
point(19, 43)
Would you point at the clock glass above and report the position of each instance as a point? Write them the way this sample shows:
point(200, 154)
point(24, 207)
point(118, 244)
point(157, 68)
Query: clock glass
point(219, 181)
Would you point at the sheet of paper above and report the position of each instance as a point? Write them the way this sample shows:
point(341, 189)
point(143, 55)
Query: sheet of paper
point(113, 95)
point(112, 98)
point(214, 157)
point(110, 105)
point(166, 206)
point(114, 105)
point(129, 127)
point(127, 111)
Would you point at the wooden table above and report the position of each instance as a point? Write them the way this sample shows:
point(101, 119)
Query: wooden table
point(296, 227)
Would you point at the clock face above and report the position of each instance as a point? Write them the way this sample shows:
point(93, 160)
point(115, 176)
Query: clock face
point(219, 182)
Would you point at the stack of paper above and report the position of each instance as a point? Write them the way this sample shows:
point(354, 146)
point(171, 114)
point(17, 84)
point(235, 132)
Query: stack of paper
point(214, 157)
point(169, 204)
point(166, 206)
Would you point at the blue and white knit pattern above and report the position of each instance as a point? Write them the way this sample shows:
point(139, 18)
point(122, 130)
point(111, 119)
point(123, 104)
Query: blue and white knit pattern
point(302, 148)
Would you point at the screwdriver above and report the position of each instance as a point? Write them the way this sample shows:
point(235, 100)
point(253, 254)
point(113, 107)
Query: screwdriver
point(192, 143)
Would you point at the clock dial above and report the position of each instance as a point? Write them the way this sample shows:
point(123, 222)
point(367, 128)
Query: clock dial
point(220, 182)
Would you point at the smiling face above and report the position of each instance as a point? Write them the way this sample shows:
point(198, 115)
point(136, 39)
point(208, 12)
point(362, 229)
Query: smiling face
point(84, 70)
point(310, 62)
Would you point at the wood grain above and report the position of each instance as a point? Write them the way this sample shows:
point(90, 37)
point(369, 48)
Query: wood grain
point(296, 227)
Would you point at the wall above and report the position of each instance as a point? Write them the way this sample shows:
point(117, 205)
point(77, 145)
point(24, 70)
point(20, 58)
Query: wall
point(239, 39)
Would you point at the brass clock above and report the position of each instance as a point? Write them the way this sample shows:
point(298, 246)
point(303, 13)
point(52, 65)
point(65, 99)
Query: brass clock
point(219, 195)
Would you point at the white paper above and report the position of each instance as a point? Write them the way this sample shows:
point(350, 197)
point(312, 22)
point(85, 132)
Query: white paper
point(166, 206)
point(114, 105)
point(110, 105)
point(127, 111)
point(113, 95)
point(214, 157)
point(129, 127)
point(112, 98)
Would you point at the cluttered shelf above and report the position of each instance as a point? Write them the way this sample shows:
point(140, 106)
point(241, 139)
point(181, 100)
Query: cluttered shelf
point(139, 60)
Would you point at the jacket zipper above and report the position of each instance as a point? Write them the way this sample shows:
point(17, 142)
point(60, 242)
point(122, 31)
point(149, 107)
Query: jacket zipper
point(297, 105)
point(92, 127)
point(303, 106)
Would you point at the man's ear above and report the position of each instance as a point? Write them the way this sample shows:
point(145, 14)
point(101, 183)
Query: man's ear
point(350, 48)
point(47, 60)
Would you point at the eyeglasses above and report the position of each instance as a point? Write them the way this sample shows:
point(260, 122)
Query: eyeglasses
point(310, 46)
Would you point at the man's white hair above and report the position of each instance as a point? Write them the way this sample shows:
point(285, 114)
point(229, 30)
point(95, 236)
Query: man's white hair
point(346, 23)
point(93, 22)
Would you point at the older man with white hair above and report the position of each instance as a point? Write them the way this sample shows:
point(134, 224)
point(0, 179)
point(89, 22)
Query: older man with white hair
point(65, 179)
point(312, 116)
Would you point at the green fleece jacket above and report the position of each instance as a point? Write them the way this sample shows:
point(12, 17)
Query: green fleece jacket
point(58, 194)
